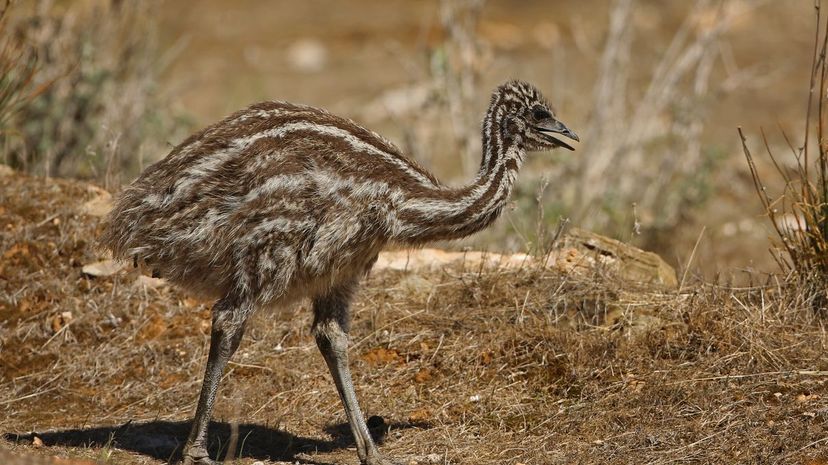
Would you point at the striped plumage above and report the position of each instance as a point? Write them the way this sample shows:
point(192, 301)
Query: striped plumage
point(280, 201)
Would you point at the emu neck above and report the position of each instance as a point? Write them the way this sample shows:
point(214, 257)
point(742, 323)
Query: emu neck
point(452, 213)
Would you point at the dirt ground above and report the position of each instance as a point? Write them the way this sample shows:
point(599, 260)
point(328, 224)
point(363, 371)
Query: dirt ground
point(460, 366)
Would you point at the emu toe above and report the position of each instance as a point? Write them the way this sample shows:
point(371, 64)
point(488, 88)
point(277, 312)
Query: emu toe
point(198, 461)
point(197, 456)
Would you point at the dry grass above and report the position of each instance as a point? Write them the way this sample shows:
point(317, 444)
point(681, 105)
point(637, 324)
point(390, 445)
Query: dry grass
point(97, 111)
point(18, 67)
point(524, 366)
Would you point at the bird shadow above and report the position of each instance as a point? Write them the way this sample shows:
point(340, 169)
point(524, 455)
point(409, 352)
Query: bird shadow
point(164, 440)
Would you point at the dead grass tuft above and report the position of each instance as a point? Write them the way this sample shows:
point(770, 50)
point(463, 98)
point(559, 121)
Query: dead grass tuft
point(18, 67)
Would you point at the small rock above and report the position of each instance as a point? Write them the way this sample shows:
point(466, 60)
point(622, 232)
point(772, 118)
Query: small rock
point(37, 442)
point(61, 320)
point(432, 458)
point(422, 376)
point(114, 321)
point(150, 282)
point(307, 55)
point(806, 397)
point(103, 268)
point(99, 206)
point(587, 249)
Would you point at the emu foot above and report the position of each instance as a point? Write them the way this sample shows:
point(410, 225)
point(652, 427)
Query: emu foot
point(198, 461)
point(197, 455)
point(188, 460)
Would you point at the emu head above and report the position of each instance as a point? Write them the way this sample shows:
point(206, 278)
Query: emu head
point(531, 117)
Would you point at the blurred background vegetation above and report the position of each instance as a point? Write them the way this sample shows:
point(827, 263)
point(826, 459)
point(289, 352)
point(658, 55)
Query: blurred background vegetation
point(98, 89)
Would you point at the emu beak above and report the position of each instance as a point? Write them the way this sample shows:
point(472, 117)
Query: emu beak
point(553, 126)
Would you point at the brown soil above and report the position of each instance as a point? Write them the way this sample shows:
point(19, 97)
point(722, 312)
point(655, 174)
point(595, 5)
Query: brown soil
point(520, 366)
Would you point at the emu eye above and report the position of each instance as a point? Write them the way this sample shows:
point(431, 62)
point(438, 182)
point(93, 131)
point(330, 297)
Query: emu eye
point(540, 114)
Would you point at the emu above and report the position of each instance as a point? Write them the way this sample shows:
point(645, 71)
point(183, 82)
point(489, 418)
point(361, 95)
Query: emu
point(279, 202)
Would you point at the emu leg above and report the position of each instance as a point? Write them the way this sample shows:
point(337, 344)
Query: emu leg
point(330, 328)
point(225, 335)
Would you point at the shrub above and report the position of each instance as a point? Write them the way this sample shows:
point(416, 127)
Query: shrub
point(18, 66)
point(101, 62)
point(800, 213)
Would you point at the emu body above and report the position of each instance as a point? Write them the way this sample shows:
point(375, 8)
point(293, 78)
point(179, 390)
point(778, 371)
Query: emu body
point(280, 202)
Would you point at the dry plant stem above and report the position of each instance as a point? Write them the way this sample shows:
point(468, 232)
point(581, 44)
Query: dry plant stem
point(690, 259)
point(610, 97)
point(5, 9)
point(19, 66)
point(638, 137)
point(814, 65)
point(94, 102)
point(799, 215)
point(460, 20)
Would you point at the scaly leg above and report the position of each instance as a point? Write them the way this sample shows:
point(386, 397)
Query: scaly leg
point(226, 333)
point(330, 328)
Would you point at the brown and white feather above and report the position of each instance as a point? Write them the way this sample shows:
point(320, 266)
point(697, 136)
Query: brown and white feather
point(281, 201)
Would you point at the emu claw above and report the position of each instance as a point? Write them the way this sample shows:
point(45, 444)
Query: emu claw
point(197, 456)
point(198, 461)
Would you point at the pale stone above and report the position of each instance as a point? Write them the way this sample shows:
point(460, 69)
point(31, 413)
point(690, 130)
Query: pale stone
point(307, 55)
point(580, 252)
point(103, 268)
point(149, 281)
point(99, 206)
